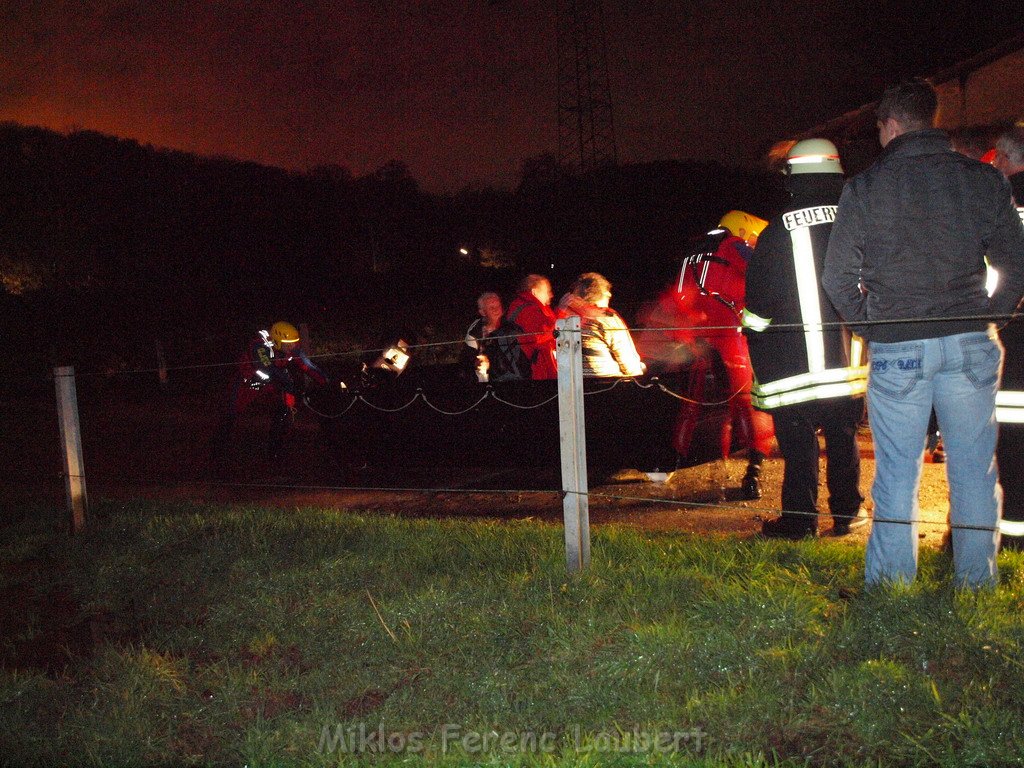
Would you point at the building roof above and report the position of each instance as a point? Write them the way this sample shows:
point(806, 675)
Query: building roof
point(860, 122)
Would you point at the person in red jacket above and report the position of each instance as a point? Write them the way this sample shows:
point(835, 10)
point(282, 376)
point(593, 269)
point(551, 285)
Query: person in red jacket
point(270, 369)
point(709, 298)
point(531, 311)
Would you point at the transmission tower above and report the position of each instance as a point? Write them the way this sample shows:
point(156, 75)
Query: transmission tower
point(586, 133)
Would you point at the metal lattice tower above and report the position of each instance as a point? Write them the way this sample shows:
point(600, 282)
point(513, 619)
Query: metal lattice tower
point(586, 133)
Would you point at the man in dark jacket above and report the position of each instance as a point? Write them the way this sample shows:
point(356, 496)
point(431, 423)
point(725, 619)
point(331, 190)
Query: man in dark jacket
point(803, 372)
point(1009, 158)
point(492, 351)
point(909, 246)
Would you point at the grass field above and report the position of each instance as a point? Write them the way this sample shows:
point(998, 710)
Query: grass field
point(175, 635)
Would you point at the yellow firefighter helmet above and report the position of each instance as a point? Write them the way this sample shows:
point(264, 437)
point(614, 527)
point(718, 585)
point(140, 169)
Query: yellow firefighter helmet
point(283, 333)
point(813, 156)
point(745, 226)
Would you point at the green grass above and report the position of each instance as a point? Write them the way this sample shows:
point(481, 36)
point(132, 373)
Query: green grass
point(238, 636)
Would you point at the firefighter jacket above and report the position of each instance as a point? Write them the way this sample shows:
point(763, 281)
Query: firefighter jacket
point(798, 350)
point(709, 292)
point(1010, 398)
point(910, 240)
point(261, 365)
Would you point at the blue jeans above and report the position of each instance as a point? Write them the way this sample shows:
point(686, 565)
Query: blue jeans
point(959, 376)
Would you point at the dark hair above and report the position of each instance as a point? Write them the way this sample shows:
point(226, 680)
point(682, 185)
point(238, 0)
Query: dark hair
point(912, 104)
point(591, 286)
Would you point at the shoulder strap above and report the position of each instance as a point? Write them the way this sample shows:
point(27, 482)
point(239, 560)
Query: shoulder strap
point(512, 316)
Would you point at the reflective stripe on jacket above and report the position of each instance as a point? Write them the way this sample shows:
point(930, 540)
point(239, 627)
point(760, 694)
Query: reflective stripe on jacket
point(798, 348)
point(1010, 406)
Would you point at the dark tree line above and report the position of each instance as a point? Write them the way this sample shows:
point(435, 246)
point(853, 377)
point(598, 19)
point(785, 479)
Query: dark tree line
point(108, 246)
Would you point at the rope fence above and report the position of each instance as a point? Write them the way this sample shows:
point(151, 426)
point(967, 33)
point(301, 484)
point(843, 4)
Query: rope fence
point(695, 330)
point(490, 393)
point(567, 332)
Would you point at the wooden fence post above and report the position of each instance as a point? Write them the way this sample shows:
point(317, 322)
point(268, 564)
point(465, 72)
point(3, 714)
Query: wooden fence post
point(573, 444)
point(71, 437)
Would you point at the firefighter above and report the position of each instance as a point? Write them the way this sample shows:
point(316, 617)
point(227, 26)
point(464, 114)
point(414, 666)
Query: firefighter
point(709, 298)
point(807, 370)
point(1009, 158)
point(271, 369)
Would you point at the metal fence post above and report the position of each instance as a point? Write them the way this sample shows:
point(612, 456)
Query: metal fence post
point(573, 444)
point(71, 437)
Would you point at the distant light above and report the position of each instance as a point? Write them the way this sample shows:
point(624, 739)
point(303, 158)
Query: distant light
point(464, 252)
point(552, 265)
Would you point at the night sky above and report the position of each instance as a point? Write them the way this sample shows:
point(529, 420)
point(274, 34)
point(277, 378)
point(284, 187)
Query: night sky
point(460, 90)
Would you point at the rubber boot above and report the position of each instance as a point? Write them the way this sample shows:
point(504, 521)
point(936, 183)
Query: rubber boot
point(751, 485)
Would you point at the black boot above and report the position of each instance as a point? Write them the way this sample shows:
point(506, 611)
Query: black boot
point(751, 485)
point(790, 527)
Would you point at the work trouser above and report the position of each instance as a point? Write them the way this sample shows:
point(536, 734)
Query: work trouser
point(796, 430)
point(242, 395)
point(1010, 457)
point(753, 428)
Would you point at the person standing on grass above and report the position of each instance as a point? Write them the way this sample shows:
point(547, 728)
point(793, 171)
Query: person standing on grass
point(908, 245)
point(807, 368)
point(1009, 158)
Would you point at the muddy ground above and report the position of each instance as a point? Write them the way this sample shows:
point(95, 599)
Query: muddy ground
point(154, 445)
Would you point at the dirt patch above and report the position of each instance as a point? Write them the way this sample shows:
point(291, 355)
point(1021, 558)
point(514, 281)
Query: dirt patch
point(156, 448)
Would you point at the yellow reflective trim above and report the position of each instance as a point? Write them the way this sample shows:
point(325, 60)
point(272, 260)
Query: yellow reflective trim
point(1010, 397)
point(1010, 406)
point(822, 392)
point(1010, 415)
point(856, 351)
point(807, 289)
point(1011, 527)
point(854, 373)
point(754, 322)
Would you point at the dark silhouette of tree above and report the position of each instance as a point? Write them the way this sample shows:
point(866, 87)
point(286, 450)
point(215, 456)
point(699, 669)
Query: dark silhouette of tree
point(107, 246)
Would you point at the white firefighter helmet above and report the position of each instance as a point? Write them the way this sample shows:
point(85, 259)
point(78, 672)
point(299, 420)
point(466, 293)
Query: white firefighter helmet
point(813, 156)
